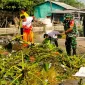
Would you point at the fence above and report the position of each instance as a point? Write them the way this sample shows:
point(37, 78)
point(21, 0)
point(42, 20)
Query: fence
point(14, 30)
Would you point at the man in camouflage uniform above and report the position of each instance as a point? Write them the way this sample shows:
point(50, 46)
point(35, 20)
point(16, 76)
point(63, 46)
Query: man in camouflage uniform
point(71, 32)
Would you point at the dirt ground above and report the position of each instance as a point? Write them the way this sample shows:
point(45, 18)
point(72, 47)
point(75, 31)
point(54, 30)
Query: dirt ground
point(80, 45)
point(38, 38)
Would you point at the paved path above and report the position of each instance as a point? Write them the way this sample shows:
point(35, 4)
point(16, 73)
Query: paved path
point(81, 41)
point(80, 45)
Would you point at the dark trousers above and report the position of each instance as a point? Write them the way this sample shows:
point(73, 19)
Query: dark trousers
point(21, 32)
point(68, 45)
point(56, 42)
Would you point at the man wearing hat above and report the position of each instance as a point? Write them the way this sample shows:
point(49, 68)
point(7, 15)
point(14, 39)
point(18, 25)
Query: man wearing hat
point(71, 33)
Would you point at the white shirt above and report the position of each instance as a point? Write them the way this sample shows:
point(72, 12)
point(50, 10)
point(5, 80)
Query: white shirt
point(28, 22)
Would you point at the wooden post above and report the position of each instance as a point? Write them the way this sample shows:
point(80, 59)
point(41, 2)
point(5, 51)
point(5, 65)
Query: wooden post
point(50, 5)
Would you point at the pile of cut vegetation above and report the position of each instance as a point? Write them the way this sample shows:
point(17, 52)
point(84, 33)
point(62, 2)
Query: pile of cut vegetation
point(42, 64)
point(38, 23)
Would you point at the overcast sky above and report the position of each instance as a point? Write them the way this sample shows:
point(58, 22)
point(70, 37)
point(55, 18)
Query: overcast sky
point(78, 0)
point(82, 0)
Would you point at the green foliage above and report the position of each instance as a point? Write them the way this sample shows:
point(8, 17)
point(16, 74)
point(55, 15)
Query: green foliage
point(17, 4)
point(74, 3)
point(37, 65)
point(47, 43)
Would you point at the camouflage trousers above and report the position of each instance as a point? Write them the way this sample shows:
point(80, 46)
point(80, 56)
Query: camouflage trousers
point(71, 43)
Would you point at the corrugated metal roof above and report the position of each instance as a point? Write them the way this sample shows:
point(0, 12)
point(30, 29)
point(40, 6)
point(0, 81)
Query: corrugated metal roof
point(62, 11)
point(66, 6)
point(67, 11)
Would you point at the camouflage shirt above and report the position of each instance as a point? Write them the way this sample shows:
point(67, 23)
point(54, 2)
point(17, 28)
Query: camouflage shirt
point(67, 25)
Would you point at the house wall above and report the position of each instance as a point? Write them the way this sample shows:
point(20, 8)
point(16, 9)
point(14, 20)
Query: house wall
point(57, 17)
point(44, 10)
